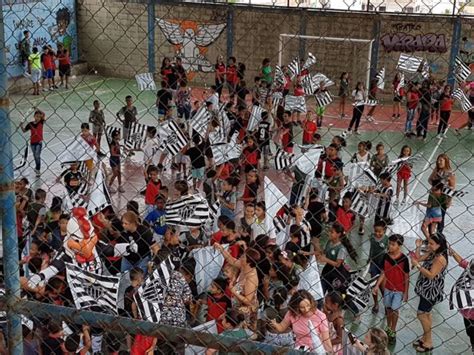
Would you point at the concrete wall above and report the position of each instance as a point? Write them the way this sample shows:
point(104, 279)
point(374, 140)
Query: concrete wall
point(113, 37)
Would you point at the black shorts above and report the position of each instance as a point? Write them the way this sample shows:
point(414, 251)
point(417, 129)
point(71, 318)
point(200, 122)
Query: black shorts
point(397, 98)
point(425, 306)
point(114, 161)
point(65, 70)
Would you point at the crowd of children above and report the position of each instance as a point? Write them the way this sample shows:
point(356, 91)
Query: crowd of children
point(256, 294)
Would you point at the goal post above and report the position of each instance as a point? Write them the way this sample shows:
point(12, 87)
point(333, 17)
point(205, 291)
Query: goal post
point(335, 39)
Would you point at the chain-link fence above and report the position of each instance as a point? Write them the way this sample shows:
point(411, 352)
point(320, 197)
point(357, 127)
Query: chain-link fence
point(202, 178)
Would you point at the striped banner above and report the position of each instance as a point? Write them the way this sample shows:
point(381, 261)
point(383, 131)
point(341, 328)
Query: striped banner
point(461, 70)
point(145, 81)
point(200, 121)
point(188, 211)
point(409, 63)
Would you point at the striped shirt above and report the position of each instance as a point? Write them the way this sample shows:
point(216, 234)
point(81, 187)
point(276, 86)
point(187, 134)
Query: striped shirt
point(383, 206)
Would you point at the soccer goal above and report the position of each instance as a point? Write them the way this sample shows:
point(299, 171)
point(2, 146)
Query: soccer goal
point(368, 42)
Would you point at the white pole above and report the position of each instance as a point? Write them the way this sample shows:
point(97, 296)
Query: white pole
point(369, 60)
point(280, 49)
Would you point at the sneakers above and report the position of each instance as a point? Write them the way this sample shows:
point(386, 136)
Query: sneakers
point(38, 173)
point(100, 154)
point(357, 133)
point(112, 190)
point(392, 335)
point(370, 119)
point(121, 189)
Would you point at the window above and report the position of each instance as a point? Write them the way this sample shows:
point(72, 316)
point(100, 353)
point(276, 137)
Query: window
point(408, 9)
point(382, 8)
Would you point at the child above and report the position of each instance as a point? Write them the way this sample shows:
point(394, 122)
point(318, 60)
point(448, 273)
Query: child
point(263, 138)
point(293, 245)
point(334, 276)
point(250, 155)
point(53, 343)
point(198, 163)
point(413, 99)
point(344, 215)
point(378, 248)
point(72, 178)
point(358, 95)
point(363, 153)
point(247, 220)
point(395, 277)
point(36, 137)
point(34, 68)
point(218, 303)
point(320, 110)
point(233, 323)
point(433, 216)
point(115, 162)
point(90, 139)
point(129, 113)
point(379, 161)
point(404, 173)
point(333, 303)
point(136, 280)
point(251, 187)
point(309, 129)
point(73, 341)
point(156, 218)
point(258, 227)
point(446, 106)
point(209, 186)
point(47, 62)
point(316, 214)
point(286, 133)
point(385, 194)
point(36, 211)
point(152, 188)
point(64, 61)
point(150, 151)
point(228, 199)
point(97, 118)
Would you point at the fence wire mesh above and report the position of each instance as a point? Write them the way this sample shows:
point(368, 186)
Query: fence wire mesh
point(287, 176)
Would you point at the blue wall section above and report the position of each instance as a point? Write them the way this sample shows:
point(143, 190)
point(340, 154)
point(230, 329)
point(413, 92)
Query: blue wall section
point(49, 21)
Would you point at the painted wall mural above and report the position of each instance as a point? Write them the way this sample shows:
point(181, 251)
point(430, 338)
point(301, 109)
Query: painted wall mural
point(403, 42)
point(49, 22)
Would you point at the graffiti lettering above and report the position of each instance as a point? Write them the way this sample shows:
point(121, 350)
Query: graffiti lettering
point(23, 24)
point(406, 27)
point(402, 42)
point(40, 41)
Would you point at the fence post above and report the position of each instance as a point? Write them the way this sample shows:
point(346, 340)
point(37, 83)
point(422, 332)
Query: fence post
point(151, 36)
point(7, 208)
point(455, 43)
point(230, 30)
point(302, 31)
point(374, 55)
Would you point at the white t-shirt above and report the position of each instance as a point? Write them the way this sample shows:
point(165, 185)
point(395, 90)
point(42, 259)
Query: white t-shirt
point(151, 154)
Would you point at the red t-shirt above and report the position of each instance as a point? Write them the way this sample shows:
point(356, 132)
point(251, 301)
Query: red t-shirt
point(165, 72)
point(90, 139)
point(345, 218)
point(251, 156)
point(446, 103)
point(220, 71)
point(396, 271)
point(217, 306)
point(64, 58)
point(413, 98)
point(232, 74)
point(299, 91)
point(152, 191)
point(310, 129)
point(216, 237)
point(287, 84)
point(36, 131)
point(47, 61)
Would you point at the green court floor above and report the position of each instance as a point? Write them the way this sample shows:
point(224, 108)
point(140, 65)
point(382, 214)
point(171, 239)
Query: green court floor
point(66, 110)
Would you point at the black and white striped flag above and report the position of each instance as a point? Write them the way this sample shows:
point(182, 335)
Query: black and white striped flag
point(200, 121)
point(359, 204)
point(277, 100)
point(360, 291)
point(81, 167)
point(92, 291)
point(461, 70)
point(283, 160)
point(99, 197)
point(380, 79)
point(453, 193)
point(322, 80)
point(462, 292)
point(425, 69)
point(280, 224)
point(23, 160)
point(310, 61)
point(225, 152)
point(370, 102)
point(279, 76)
point(145, 81)
point(309, 87)
point(188, 211)
point(79, 198)
point(295, 103)
point(294, 67)
point(150, 296)
point(255, 118)
point(409, 63)
point(77, 150)
point(459, 95)
point(323, 98)
point(136, 136)
point(209, 262)
point(173, 138)
point(359, 174)
point(275, 200)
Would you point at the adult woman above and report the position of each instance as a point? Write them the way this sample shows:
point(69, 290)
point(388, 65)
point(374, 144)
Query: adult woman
point(444, 174)
point(358, 95)
point(343, 92)
point(244, 290)
point(143, 237)
point(466, 277)
point(397, 96)
point(301, 312)
point(430, 285)
point(425, 111)
point(376, 341)
point(446, 102)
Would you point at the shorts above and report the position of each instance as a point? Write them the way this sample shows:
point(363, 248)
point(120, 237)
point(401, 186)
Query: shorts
point(114, 161)
point(433, 215)
point(265, 149)
point(374, 269)
point(48, 74)
point(392, 299)
point(97, 130)
point(65, 70)
point(397, 98)
point(425, 306)
point(198, 174)
point(35, 75)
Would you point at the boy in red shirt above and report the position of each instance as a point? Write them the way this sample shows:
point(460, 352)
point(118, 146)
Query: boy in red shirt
point(413, 98)
point(446, 106)
point(250, 155)
point(152, 188)
point(396, 278)
point(231, 76)
point(309, 129)
point(47, 61)
point(217, 302)
point(36, 138)
point(344, 215)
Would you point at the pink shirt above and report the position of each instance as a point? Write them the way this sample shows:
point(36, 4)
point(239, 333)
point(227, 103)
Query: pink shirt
point(299, 325)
